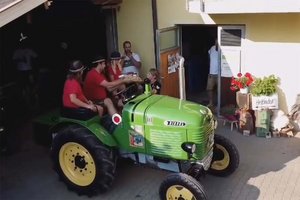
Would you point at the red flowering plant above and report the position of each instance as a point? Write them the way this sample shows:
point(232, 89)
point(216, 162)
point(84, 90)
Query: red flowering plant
point(241, 81)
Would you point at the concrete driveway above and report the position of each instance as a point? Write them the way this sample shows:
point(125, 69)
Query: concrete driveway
point(269, 169)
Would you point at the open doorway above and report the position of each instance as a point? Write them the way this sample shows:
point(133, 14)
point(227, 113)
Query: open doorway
point(66, 31)
point(196, 41)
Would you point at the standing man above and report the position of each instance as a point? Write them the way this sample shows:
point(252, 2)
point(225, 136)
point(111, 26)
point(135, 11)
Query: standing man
point(25, 60)
point(24, 57)
point(212, 80)
point(132, 62)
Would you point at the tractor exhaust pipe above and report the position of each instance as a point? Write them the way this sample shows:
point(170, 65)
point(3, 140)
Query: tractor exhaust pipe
point(182, 93)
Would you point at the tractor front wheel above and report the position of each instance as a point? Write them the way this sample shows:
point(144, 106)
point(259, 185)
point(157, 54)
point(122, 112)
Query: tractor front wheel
point(82, 161)
point(225, 158)
point(181, 186)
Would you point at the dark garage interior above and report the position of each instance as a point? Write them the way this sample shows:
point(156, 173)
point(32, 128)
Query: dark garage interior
point(57, 37)
point(196, 41)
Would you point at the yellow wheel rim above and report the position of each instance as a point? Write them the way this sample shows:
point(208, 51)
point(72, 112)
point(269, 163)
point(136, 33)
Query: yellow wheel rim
point(221, 164)
point(77, 164)
point(179, 192)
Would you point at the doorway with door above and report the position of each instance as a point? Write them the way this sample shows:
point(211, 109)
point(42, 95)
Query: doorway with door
point(196, 42)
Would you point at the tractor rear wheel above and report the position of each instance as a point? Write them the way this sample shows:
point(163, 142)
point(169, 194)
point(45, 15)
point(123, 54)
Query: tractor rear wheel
point(82, 161)
point(181, 186)
point(225, 157)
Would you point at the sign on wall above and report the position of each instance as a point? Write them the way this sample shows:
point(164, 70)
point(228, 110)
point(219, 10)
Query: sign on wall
point(263, 102)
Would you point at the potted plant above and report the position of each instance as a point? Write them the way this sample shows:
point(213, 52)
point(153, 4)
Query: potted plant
point(264, 92)
point(265, 86)
point(241, 82)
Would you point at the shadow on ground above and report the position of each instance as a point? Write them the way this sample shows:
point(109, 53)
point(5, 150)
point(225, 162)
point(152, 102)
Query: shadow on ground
point(268, 168)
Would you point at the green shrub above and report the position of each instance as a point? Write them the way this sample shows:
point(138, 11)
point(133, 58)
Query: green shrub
point(265, 86)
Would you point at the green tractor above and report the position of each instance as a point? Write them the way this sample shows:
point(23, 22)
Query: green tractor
point(154, 130)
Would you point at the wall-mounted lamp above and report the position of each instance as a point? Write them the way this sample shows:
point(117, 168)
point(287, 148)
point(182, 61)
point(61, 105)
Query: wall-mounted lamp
point(47, 4)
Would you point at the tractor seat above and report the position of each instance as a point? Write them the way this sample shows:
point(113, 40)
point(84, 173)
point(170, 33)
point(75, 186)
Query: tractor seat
point(77, 113)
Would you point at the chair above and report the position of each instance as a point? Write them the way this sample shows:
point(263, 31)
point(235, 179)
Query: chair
point(230, 119)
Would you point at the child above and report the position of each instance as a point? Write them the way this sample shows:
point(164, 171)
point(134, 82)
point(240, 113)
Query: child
point(153, 76)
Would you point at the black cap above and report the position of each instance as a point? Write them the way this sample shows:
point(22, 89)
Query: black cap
point(98, 59)
point(76, 66)
point(115, 55)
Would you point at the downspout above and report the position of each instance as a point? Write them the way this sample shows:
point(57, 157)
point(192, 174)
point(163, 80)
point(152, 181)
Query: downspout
point(155, 28)
point(219, 79)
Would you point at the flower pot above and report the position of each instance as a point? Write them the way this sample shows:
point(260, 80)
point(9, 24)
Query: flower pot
point(244, 90)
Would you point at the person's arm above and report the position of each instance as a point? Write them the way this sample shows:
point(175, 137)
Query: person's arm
point(136, 63)
point(80, 103)
point(110, 86)
point(120, 64)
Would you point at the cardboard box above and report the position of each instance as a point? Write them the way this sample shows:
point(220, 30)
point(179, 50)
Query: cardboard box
point(243, 100)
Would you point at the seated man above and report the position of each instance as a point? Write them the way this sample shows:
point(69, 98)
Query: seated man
point(73, 96)
point(95, 85)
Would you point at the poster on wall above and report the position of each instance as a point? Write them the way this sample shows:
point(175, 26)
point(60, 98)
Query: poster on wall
point(230, 62)
point(173, 62)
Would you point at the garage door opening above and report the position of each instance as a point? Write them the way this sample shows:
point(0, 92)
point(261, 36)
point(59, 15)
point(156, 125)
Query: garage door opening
point(66, 31)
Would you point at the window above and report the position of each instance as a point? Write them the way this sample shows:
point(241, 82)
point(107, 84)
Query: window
point(231, 37)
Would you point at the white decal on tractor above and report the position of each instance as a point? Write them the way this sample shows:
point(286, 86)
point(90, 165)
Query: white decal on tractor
point(174, 123)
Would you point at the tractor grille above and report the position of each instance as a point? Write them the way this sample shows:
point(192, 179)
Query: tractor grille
point(202, 138)
point(167, 143)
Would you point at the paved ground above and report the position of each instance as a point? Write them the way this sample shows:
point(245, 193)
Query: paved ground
point(269, 169)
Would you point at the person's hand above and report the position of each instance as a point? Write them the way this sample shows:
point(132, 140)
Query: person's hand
point(119, 64)
point(131, 78)
point(92, 107)
point(129, 54)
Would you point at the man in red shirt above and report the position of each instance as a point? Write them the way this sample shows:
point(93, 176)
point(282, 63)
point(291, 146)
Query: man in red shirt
point(95, 85)
point(73, 96)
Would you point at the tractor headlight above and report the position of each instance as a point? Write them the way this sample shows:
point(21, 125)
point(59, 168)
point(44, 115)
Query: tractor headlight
point(215, 124)
point(189, 147)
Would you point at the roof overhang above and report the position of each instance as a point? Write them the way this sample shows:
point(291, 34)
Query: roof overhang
point(106, 2)
point(12, 9)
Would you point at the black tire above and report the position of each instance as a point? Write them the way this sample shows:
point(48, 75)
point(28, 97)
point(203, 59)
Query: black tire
point(82, 162)
point(181, 186)
point(226, 157)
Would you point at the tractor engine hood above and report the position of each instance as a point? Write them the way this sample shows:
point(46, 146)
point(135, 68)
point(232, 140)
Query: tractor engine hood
point(173, 112)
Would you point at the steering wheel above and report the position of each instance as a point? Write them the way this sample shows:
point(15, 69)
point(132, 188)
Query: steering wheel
point(128, 93)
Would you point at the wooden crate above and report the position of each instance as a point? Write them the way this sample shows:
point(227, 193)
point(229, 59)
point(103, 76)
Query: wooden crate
point(262, 122)
point(243, 100)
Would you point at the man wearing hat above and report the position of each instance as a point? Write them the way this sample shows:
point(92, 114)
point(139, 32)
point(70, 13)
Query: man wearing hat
point(95, 85)
point(73, 96)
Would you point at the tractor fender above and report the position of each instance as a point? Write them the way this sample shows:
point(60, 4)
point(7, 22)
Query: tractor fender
point(95, 129)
